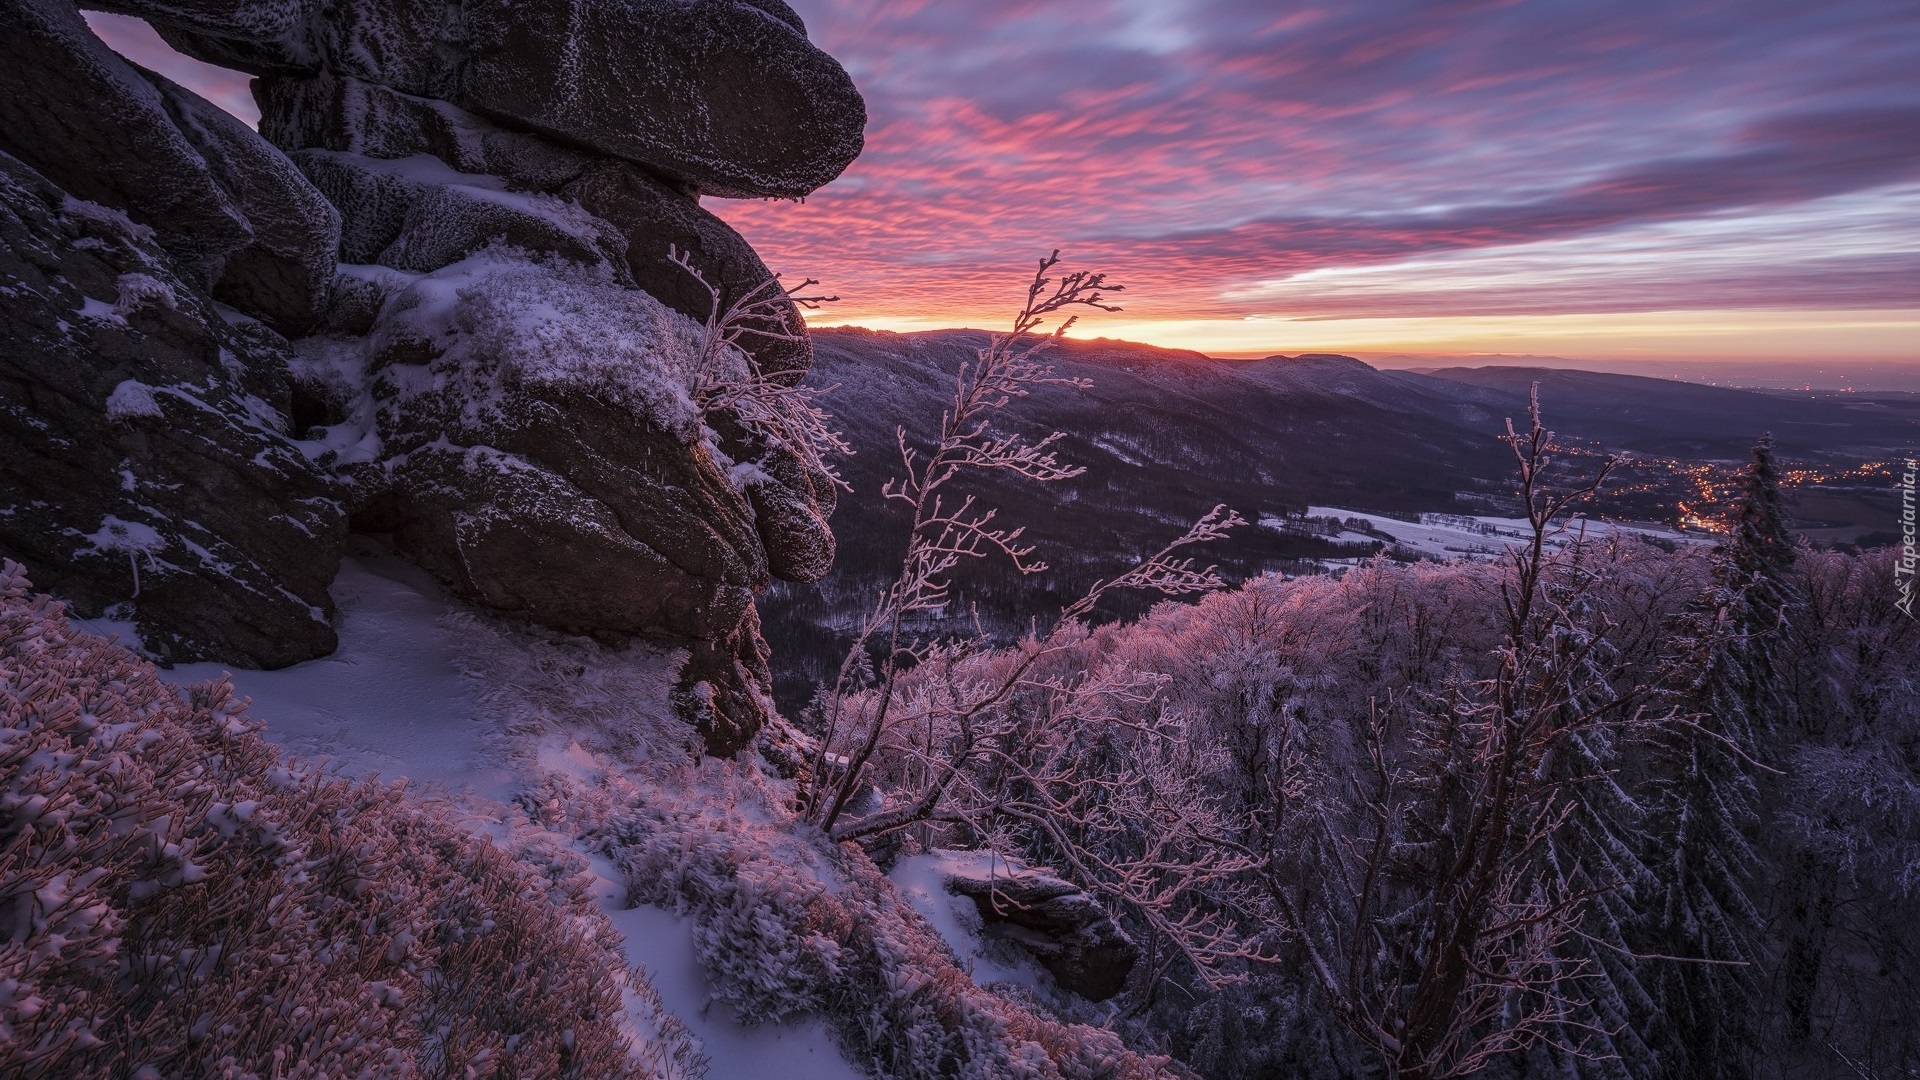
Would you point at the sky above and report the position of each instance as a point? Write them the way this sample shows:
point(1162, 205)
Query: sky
point(1685, 180)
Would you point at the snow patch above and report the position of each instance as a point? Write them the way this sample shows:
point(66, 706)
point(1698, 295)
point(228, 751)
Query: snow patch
point(129, 537)
point(130, 399)
point(137, 291)
point(502, 321)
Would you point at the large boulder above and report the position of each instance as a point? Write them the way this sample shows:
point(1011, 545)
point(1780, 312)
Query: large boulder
point(720, 94)
point(146, 469)
point(284, 271)
point(544, 458)
point(1060, 924)
point(725, 97)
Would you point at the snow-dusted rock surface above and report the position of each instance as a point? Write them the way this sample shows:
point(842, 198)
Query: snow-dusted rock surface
point(283, 272)
point(719, 94)
point(141, 430)
point(541, 455)
point(724, 96)
point(469, 209)
point(91, 123)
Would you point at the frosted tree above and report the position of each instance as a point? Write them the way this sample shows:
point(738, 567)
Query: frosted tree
point(1010, 747)
point(726, 378)
point(1457, 922)
point(1701, 910)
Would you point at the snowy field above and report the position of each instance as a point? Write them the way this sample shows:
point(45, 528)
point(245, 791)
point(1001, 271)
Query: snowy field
point(1451, 536)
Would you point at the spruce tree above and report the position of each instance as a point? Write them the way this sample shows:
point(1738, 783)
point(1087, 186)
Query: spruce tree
point(1701, 834)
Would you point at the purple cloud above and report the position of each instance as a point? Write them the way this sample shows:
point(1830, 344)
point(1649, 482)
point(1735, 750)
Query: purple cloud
point(1204, 147)
point(1211, 152)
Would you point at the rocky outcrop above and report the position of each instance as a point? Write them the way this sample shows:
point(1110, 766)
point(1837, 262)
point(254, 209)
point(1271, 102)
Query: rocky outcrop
point(542, 457)
point(1058, 923)
point(725, 97)
point(145, 462)
point(352, 117)
point(465, 215)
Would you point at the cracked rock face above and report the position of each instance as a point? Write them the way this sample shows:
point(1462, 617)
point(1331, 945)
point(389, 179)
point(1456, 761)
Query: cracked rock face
point(145, 462)
point(726, 97)
point(422, 167)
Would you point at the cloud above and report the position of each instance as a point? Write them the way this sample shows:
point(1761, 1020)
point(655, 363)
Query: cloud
point(1361, 157)
point(1205, 148)
point(1782, 160)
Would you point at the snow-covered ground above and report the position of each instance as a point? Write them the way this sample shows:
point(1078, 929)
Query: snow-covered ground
point(1450, 536)
point(921, 881)
point(408, 694)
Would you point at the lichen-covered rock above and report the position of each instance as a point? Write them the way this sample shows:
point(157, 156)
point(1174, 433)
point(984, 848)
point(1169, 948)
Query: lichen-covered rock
point(284, 271)
point(145, 463)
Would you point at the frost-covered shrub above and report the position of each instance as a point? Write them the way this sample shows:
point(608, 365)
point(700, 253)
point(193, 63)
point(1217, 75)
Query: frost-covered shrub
point(787, 924)
point(179, 900)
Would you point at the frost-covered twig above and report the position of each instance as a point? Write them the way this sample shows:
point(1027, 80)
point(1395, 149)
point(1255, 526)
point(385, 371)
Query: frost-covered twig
point(994, 743)
point(727, 376)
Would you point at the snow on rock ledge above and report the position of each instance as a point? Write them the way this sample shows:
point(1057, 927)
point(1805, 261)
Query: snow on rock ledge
point(544, 458)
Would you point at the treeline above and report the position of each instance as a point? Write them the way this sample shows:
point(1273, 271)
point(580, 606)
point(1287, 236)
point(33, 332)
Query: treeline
point(1615, 811)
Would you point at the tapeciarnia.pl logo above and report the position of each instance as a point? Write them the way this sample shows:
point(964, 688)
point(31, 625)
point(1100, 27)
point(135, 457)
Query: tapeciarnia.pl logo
point(1903, 570)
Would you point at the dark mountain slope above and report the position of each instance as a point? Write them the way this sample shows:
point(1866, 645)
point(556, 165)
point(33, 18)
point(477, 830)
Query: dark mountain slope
point(1681, 419)
point(1166, 434)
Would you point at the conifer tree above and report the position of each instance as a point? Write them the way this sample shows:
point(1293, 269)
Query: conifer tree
point(1701, 834)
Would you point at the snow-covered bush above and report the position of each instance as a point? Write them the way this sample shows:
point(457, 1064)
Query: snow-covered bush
point(787, 924)
point(177, 899)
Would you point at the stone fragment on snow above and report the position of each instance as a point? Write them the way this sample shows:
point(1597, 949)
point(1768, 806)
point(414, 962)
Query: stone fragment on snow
point(1061, 925)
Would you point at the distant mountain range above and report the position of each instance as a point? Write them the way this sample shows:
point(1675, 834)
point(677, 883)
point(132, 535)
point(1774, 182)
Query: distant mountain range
point(1859, 376)
point(1165, 434)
